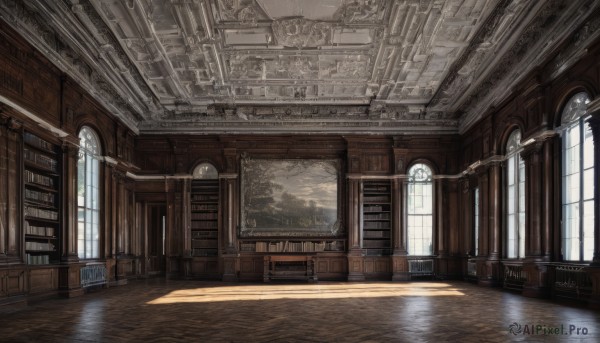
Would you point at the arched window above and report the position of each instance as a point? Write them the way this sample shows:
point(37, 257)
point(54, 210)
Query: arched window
point(419, 210)
point(577, 181)
point(88, 196)
point(515, 197)
point(205, 171)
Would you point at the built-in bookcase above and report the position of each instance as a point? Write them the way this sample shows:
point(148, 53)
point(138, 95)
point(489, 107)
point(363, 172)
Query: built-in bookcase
point(377, 218)
point(41, 203)
point(205, 214)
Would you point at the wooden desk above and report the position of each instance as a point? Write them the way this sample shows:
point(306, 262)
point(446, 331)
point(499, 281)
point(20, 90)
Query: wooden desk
point(289, 267)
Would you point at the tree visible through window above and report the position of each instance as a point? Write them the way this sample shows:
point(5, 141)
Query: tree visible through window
point(420, 210)
point(515, 198)
point(88, 197)
point(577, 181)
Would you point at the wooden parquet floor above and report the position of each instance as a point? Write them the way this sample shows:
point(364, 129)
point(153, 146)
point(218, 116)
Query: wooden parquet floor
point(195, 311)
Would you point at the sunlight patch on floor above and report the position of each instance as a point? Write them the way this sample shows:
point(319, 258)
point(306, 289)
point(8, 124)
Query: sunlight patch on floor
point(306, 291)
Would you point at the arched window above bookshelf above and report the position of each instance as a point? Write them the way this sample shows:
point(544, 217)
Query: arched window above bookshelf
point(205, 171)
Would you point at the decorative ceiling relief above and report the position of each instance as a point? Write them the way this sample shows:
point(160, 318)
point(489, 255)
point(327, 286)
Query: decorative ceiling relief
point(300, 66)
point(301, 33)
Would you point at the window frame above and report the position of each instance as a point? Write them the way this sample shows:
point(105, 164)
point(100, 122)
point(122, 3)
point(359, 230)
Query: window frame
point(515, 247)
point(431, 214)
point(575, 119)
point(88, 246)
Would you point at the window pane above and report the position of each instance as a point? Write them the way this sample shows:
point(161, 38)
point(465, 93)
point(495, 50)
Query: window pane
point(521, 238)
point(88, 195)
point(588, 148)
point(588, 230)
point(510, 176)
point(419, 210)
point(578, 181)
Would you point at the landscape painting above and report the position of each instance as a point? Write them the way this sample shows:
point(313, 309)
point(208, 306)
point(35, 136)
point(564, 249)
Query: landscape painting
point(289, 198)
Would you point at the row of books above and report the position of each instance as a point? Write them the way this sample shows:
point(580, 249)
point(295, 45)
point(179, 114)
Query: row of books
point(40, 159)
point(39, 230)
point(37, 141)
point(204, 225)
point(40, 213)
point(39, 246)
point(204, 216)
point(379, 216)
point(377, 189)
point(385, 243)
point(376, 199)
point(376, 234)
point(43, 197)
point(38, 259)
point(287, 246)
point(204, 234)
point(204, 207)
point(375, 208)
point(204, 243)
point(197, 197)
point(43, 180)
point(376, 225)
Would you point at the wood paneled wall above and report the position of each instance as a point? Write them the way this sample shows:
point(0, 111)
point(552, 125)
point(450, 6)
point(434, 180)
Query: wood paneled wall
point(38, 98)
point(534, 108)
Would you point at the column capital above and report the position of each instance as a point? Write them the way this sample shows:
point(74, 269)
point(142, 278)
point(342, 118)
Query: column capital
point(531, 150)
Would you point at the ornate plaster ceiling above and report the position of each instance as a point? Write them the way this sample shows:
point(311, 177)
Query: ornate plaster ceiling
point(298, 66)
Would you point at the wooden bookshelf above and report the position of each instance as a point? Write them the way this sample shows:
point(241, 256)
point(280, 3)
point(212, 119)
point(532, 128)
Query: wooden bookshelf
point(377, 218)
point(307, 245)
point(41, 209)
point(204, 217)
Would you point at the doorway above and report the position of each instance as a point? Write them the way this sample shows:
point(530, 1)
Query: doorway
point(156, 225)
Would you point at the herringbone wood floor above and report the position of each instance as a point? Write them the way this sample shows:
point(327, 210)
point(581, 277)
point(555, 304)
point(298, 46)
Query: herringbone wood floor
point(195, 311)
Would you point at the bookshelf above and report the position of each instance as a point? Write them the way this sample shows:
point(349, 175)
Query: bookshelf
point(204, 217)
point(292, 245)
point(377, 218)
point(41, 211)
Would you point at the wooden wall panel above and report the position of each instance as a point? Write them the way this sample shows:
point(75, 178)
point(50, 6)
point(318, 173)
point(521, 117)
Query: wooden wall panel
point(43, 280)
point(27, 78)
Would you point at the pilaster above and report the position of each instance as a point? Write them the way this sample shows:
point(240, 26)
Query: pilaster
point(355, 255)
point(399, 257)
point(594, 123)
point(230, 257)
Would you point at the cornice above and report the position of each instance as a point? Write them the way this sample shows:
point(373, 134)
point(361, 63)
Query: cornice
point(539, 39)
point(69, 54)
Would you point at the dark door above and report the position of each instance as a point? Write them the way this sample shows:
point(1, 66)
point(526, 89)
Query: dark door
point(156, 239)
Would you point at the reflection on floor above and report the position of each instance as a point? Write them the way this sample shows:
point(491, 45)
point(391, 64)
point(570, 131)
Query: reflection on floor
point(196, 311)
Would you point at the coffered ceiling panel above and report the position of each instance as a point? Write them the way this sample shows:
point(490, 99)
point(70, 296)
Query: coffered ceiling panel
point(297, 66)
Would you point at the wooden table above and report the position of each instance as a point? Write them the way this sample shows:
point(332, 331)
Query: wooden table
point(289, 267)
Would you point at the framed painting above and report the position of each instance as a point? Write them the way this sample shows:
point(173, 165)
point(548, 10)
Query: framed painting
point(290, 198)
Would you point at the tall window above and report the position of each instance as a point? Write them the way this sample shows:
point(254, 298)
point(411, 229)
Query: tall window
point(88, 197)
point(476, 221)
point(515, 198)
point(420, 210)
point(577, 181)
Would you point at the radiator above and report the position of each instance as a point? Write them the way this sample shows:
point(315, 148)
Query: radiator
point(93, 275)
point(420, 267)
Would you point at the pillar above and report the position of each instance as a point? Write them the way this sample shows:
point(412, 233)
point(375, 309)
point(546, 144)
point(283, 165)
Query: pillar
point(535, 263)
point(594, 123)
point(355, 258)
point(10, 194)
point(229, 225)
point(399, 257)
